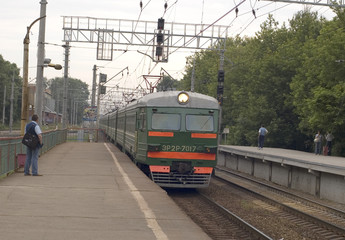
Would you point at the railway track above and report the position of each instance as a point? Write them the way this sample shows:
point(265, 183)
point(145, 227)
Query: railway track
point(309, 219)
point(217, 221)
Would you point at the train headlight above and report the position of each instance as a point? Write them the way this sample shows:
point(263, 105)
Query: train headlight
point(183, 98)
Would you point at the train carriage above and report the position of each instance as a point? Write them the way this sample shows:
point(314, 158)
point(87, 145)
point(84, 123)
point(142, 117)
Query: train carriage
point(172, 134)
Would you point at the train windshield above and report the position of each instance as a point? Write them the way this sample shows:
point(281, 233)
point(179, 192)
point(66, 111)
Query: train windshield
point(164, 121)
point(202, 123)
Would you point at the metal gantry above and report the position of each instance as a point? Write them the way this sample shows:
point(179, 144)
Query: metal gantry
point(167, 37)
point(108, 32)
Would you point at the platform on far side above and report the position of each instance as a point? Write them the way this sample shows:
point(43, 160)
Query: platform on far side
point(329, 164)
point(89, 191)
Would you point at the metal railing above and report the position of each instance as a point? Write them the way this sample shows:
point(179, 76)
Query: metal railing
point(86, 135)
point(11, 147)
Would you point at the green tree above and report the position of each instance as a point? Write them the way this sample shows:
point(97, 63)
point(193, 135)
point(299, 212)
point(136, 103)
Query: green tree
point(77, 92)
point(287, 78)
point(9, 71)
point(167, 84)
point(259, 86)
point(318, 88)
point(205, 65)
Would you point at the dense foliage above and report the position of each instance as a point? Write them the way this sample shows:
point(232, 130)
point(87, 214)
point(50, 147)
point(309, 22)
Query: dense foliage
point(77, 96)
point(290, 79)
point(8, 72)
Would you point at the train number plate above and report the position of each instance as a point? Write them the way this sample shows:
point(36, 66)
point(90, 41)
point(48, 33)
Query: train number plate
point(178, 148)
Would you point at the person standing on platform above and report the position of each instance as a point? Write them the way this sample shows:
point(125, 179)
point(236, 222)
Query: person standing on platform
point(318, 141)
point(329, 138)
point(32, 154)
point(262, 132)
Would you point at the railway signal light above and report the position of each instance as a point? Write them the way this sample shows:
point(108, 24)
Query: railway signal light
point(103, 89)
point(160, 24)
point(160, 38)
point(220, 90)
point(159, 51)
point(220, 87)
point(221, 76)
point(102, 77)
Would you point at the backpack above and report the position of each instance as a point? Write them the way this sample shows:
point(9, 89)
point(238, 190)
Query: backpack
point(30, 138)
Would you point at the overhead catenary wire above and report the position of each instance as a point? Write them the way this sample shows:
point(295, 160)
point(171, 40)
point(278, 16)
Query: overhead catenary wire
point(259, 16)
point(210, 25)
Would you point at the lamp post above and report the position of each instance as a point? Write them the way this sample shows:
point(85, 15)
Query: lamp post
point(41, 101)
point(25, 96)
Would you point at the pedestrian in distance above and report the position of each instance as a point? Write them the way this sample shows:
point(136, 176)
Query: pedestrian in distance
point(261, 138)
point(318, 142)
point(32, 154)
point(329, 139)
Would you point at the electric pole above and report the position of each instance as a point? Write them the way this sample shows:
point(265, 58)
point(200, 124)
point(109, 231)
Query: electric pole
point(4, 107)
point(11, 108)
point(65, 85)
point(193, 79)
point(40, 62)
point(93, 97)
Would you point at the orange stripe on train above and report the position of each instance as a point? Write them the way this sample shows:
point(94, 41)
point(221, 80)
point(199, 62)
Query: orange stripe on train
point(182, 155)
point(204, 135)
point(166, 169)
point(154, 168)
point(161, 134)
point(201, 170)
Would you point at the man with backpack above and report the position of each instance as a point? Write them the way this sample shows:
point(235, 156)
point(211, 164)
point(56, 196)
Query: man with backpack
point(32, 154)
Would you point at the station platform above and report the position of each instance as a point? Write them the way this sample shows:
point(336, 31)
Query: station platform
point(318, 175)
point(310, 161)
point(89, 191)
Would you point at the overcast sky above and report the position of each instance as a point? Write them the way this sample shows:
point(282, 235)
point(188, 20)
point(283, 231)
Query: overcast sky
point(16, 15)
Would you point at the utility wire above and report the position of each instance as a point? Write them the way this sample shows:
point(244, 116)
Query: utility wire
point(189, 41)
point(264, 14)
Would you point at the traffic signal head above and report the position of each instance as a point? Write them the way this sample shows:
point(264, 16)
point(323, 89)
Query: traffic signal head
point(160, 24)
point(102, 77)
point(221, 76)
point(103, 89)
point(220, 90)
point(159, 51)
point(160, 38)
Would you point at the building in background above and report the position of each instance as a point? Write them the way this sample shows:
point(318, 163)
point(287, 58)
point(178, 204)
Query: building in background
point(48, 110)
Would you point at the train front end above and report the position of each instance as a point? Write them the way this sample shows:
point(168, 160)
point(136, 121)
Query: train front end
point(182, 140)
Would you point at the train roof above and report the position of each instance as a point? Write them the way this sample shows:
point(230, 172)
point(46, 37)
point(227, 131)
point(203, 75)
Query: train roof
point(169, 99)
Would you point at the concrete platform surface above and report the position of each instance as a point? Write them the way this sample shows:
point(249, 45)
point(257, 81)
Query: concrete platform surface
point(329, 164)
point(89, 191)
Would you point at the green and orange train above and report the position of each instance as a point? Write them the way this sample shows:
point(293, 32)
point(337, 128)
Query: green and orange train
point(173, 135)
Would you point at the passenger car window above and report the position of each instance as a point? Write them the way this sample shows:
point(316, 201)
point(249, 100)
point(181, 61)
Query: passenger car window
point(202, 123)
point(164, 121)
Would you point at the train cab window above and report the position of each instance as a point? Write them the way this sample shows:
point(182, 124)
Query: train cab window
point(204, 123)
point(165, 121)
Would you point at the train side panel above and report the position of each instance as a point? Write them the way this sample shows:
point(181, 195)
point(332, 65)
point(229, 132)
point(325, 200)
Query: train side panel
point(141, 136)
point(121, 128)
point(130, 133)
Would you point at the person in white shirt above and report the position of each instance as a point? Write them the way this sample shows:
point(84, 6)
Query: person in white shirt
point(32, 154)
point(329, 139)
point(262, 132)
